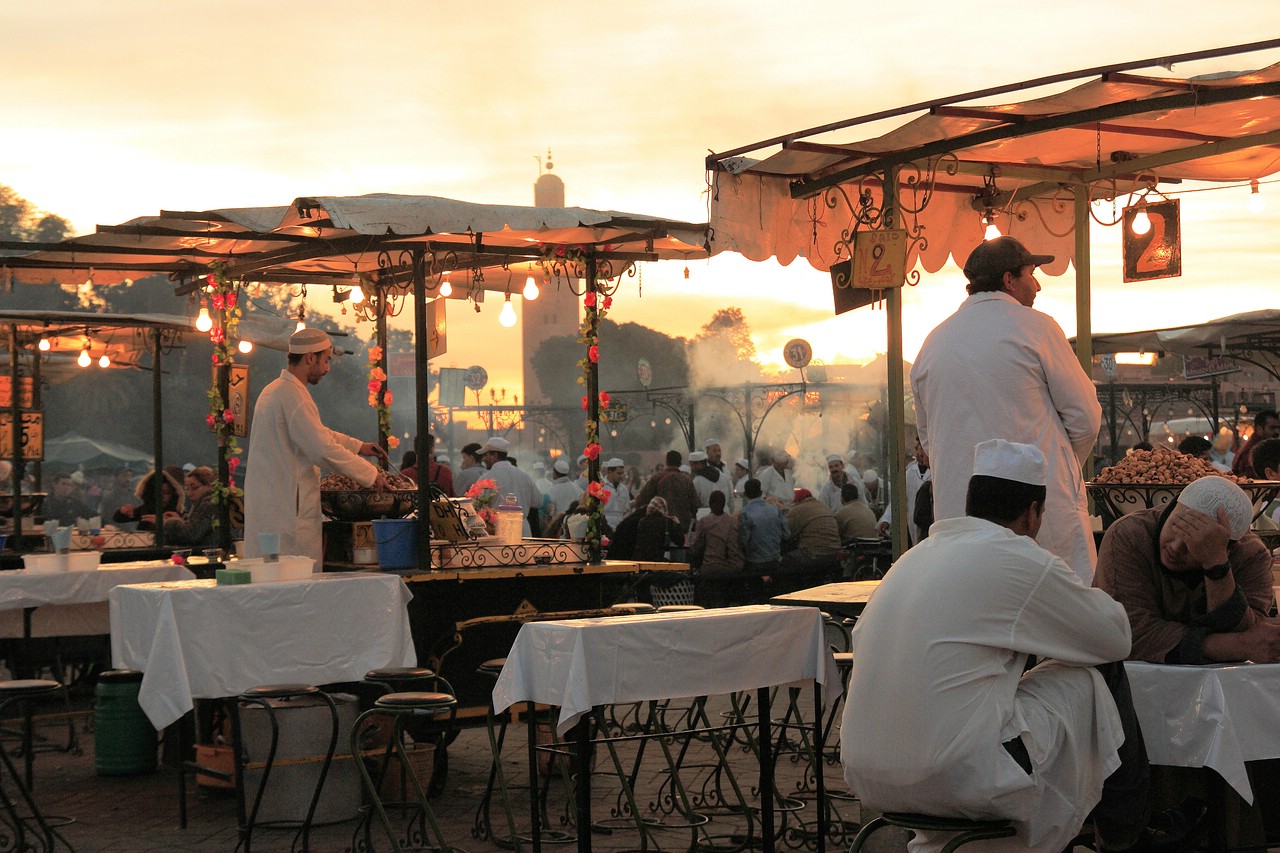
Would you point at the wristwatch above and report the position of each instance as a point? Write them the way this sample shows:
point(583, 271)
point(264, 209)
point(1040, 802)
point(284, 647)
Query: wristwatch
point(1218, 572)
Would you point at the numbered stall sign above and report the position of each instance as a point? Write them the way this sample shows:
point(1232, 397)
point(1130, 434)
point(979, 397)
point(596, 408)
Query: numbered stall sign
point(31, 437)
point(879, 259)
point(1157, 252)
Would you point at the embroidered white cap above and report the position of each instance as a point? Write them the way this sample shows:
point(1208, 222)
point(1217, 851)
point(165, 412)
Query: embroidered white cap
point(308, 340)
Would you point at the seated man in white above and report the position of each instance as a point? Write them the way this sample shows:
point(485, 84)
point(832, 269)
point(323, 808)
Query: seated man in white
point(941, 718)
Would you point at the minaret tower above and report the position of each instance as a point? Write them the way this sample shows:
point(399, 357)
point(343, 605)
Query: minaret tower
point(555, 312)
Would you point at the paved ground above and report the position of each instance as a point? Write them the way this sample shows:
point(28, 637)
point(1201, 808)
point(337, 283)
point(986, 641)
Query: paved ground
point(139, 813)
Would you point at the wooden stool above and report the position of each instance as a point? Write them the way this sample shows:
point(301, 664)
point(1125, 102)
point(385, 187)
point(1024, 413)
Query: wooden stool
point(679, 608)
point(965, 830)
point(400, 708)
point(21, 691)
point(262, 696)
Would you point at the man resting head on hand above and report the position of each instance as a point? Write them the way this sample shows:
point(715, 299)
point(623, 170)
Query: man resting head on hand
point(1195, 582)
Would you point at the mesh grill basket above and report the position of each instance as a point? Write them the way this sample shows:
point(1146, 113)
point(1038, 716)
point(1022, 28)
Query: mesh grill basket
point(680, 592)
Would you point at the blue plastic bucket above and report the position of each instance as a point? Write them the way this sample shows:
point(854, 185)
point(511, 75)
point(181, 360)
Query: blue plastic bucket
point(397, 541)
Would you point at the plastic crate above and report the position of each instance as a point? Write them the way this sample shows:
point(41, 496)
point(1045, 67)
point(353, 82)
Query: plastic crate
point(680, 592)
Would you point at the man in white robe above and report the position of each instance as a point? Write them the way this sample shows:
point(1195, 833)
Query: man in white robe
point(511, 481)
point(288, 447)
point(998, 368)
point(940, 717)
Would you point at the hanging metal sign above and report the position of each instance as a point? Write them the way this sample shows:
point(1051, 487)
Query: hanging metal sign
point(797, 353)
point(26, 392)
point(1157, 252)
point(437, 328)
point(879, 259)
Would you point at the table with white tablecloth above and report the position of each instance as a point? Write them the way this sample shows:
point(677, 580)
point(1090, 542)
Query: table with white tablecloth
point(1217, 716)
point(580, 664)
point(60, 604)
point(195, 639)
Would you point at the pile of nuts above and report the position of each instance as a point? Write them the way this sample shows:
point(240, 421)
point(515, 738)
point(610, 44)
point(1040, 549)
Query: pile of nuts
point(339, 483)
point(1160, 467)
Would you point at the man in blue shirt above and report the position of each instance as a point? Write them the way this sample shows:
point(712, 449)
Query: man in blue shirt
point(762, 528)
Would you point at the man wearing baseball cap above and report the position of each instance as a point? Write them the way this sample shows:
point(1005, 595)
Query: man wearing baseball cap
point(288, 447)
point(973, 733)
point(1196, 583)
point(998, 367)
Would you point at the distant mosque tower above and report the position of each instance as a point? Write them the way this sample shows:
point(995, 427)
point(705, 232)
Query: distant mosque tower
point(555, 312)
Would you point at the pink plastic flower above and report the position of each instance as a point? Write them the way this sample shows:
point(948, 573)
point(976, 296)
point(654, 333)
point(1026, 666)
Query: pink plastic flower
point(233, 463)
point(584, 402)
point(211, 420)
point(608, 303)
point(605, 399)
point(591, 451)
point(593, 353)
point(375, 353)
point(589, 299)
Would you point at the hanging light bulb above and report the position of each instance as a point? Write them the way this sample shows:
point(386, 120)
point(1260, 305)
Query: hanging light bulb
point(1141, 223)
point(357, 295)
point(446, 289)
point(245, 346)
point(203, 321)
point(507, 316)
point(1256, 202)
point(83, 359)
point(104, 361)
point(530, 291)
point(44, 345)
point(992, 231)
point(302, 320)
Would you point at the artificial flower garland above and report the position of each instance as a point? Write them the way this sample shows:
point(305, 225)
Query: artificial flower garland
point(223, 298)
point(556, 259)
point(380, 395)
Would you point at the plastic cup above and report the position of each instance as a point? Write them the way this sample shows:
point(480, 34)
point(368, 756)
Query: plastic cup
point(269, 544)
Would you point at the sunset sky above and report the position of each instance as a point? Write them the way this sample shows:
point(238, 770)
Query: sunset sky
point(116, 110)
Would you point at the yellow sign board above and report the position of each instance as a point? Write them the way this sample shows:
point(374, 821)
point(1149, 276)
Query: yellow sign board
point(31, 436)
point(879, 259)
point(26, 393)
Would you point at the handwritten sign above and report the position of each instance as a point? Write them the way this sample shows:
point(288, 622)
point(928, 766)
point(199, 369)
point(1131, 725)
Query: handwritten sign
point(31, 435)
point(237, 396)
point(26, 392)
point(879, 259)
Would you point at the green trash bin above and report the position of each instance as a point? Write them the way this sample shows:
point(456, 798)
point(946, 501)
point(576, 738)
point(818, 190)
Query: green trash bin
point(124, 741)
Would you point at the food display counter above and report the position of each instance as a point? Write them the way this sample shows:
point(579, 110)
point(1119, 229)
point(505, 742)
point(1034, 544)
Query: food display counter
point(463, 616)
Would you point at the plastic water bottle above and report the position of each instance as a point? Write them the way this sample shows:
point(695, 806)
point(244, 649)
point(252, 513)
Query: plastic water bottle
point(510, 523)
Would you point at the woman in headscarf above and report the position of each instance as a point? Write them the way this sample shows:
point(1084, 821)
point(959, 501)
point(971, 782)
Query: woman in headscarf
point(656, 533)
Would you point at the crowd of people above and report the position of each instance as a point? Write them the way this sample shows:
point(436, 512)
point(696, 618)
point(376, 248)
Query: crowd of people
point(125, 499)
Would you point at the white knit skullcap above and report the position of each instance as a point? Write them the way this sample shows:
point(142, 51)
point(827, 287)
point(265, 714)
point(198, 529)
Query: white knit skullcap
point(308, 340)
point(1009, 460)
point(1211, 493)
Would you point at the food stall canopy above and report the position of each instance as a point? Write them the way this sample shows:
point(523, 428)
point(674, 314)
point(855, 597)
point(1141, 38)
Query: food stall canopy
point(1244, 334)
point(124, 338)
point(75, 450)
point(334, 239)
point(963, 156)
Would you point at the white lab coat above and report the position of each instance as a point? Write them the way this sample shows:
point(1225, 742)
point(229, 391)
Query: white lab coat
point(781, 486)
point(512, 481)
point(937, 686)
point(997, 369)
point(288, 446)
point(563, 493)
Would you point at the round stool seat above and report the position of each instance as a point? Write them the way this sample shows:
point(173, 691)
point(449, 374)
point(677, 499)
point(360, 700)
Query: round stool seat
point(399, 673)
point(27, 687)
point(930, 823)
point(280, 691)
point(119, 676)
point(416, 701)
point(679, 608)
point(633, 607)
point(492, 667)
point(843, 659)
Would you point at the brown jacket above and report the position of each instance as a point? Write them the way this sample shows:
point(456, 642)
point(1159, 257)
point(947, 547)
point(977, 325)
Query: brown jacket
point(676, 488)
point(1166, 609)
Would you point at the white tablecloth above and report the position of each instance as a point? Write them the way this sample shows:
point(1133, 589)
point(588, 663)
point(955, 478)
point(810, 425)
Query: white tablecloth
point(1216, 716)
point(578, 664)
point(24, 588)
point(194, 639)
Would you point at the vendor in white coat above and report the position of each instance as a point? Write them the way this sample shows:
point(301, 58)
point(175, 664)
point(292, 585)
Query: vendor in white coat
point(999, 368)
point(957, 728)
point(289, 446)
